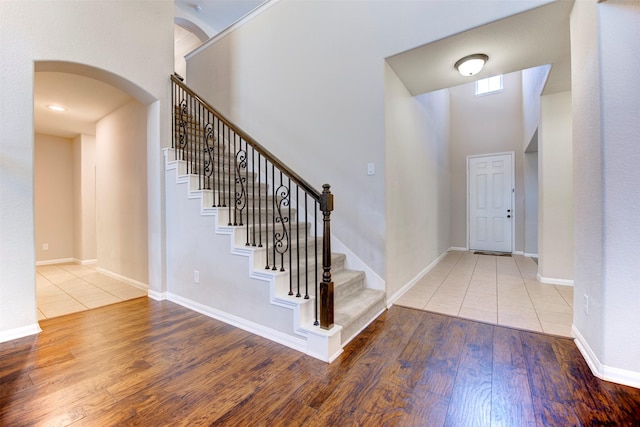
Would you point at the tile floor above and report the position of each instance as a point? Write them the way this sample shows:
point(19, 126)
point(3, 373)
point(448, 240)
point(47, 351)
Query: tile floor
point(68, 288)
point(495, 289)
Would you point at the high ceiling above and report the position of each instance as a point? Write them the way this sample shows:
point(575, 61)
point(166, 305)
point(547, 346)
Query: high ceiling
point(216, 14)
point(536, 37)
point(88, 100)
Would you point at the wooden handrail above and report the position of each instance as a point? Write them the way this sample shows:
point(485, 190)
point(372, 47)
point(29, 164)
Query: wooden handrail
point(266, 153)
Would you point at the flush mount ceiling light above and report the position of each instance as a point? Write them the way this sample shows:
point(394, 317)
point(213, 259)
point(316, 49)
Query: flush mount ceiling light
point(472, 64)
point(56, 108)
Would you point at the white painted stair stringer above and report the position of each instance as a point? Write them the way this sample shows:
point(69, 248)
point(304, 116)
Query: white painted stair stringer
point(312, 340)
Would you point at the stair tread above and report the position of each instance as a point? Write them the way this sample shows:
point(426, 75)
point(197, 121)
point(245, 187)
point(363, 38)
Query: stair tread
point(350, 308)
point(344, 276)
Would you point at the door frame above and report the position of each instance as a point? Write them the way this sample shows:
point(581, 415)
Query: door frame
point(513, 195)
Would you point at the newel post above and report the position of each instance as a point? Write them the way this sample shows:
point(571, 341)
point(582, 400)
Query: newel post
point(326, 286)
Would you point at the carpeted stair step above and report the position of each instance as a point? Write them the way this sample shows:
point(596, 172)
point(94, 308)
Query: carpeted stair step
point(357, 310)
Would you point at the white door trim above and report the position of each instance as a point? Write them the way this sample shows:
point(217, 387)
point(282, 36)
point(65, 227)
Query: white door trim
point(513, 194)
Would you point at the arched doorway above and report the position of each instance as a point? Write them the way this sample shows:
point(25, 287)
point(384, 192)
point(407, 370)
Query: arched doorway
point(91, 187)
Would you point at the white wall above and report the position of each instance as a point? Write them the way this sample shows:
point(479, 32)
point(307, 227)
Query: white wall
point(619, 23)
point(555, 204)
point(605, 134)
point(417, 180)
point(84, 198)
point(128, 44)
point(533, 81)
point(483, 125)
point(531, 202)
point(224, 282)
point(121, 187)
point(587, 173)
point(184, 42)
point(53, 176)
point(309, 77)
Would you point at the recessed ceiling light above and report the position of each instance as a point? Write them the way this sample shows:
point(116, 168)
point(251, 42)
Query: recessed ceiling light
point(472, 64)
point(56, 108)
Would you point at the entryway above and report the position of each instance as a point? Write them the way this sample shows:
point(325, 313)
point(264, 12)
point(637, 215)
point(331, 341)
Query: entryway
point(490, 202)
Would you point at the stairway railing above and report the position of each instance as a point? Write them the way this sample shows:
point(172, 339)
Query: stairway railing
point(276, 208)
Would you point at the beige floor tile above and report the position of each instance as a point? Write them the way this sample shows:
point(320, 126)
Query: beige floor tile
point(128, 293)
point(543, 301)
point(509, 281)
point(554, 317)
point(480, 301)
point(514, 297)
point(477, 314)
point(408, 301)
point(420, 292)
point(58, 276)
point(42, 281)
point(455, 292)
point(428, 283)
point(76, 282)
point(95, 294)
point(55, 298)
point(99, 302)
point(77, 269)
point(556, 329)
point(447, 299)
point(451, 310)
point(519, 322)
point(99, 279)
point(64, 289)
point(61, 308)
point(483, 287)
point(567, 293)
point(554, 307)
point(86, 290)
point(469, 285)
point(523, 312)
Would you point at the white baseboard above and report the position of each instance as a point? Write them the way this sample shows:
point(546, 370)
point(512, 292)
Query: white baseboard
point(55, 261)
point(21, 332)
point(607, 373)
point(457, 248)
point(155, 295)
point(530, 255)
point(554, 281)
point(124, 279)
point(85, 261)
point(244, 324)
point(413, 281)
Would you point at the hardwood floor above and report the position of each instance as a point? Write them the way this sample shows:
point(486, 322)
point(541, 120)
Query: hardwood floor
point(143, 362)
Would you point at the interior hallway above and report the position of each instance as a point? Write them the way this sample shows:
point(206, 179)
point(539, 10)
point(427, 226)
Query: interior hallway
point(501, 290)
point(69, 288)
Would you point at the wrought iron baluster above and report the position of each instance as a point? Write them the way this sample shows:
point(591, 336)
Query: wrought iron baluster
point(297, 239)
point(306, 246)
point(224, 157)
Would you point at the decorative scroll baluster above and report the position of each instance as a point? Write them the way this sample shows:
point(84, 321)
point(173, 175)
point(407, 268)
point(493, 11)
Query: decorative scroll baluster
point(223, 158)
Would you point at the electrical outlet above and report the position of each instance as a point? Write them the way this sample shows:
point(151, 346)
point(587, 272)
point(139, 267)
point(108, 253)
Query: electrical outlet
point(196, 276)
point(586, 304)
point(45, 246)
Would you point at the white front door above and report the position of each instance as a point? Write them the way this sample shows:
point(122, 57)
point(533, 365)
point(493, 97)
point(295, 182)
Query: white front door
point(490, 203)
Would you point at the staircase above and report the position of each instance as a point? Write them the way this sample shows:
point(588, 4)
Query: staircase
point(278, 221)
